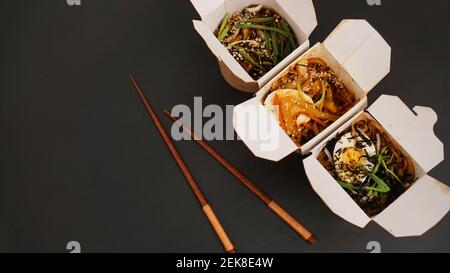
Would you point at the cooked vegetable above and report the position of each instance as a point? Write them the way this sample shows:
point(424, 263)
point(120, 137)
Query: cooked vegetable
point(223, 33)
point(261, 20)
point(381, 186)
point(348, 186)
point(309, 97)
point(223, 26)
point(263, 38)
point(387, 175)
point(274, 29)
point(289, 33)
point(246, 55)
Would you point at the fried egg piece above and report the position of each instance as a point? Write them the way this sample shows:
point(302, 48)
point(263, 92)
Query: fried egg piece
point(351, 156)
point(270, 105)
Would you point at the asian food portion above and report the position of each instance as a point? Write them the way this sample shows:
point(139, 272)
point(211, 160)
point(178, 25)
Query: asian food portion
point(258, 38)
point(307, 99)
point(368, 165)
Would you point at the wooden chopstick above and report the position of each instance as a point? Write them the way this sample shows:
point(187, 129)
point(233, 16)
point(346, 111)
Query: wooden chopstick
point(276, 208)
point(217, 226)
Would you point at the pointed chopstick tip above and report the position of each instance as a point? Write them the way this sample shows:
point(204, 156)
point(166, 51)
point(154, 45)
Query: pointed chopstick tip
point(312, 240)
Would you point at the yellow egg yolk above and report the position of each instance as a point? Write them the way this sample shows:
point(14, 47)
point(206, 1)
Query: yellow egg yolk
point(353, 158)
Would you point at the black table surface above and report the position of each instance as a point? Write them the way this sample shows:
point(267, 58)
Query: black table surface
point(81, 161)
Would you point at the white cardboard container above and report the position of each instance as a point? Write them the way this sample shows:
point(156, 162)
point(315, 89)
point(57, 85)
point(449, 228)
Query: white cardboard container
point(357, 54)
point(424, 204)
point(361, 58)
point(299, 14)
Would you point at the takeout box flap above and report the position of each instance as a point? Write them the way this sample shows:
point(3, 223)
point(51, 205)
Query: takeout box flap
point(205, 7)
point(414, 131)
point(303, 12)
point(332, 193)
point(260, 131)
point(361, 50)
point(416, 211)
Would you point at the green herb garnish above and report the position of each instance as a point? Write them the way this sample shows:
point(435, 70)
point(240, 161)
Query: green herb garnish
point(221, 34)
point(246, 56)
point(265, 28)
point(290, 35)
point(381, 186)
point(261, 20)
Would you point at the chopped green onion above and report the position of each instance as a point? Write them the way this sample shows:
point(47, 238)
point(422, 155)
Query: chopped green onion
point(383, 163)
point(264, 28)
point(224, 33)
point(372, 194)
point(287, 50)
point(290, 35)
point(247, 56)
point(377, 166)
point(348, 186)
point(267, 41)
point(224, 23)
point(261, 20)
point(379, 159)
point(381, 185)
point(275, 48)
point(320, 102)
point(280, 38)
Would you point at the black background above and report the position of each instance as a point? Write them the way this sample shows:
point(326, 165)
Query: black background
point(80, 159)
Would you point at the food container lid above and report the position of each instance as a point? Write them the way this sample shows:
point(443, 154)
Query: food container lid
point(303, 12)
point(427, 201)
point(361, 50)
point(414, 131)
point(205, 7)
point(416, 211)
point(260, 131)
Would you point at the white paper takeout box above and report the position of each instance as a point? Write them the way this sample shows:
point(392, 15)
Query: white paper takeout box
point(357, 54)
point(299, 14)
point(360, 57)
point(424, 204)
